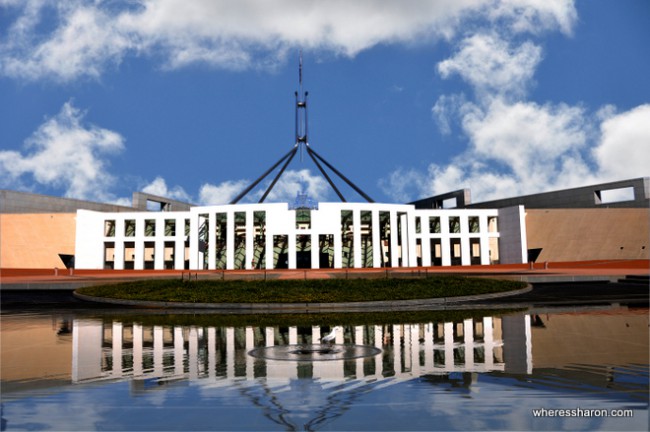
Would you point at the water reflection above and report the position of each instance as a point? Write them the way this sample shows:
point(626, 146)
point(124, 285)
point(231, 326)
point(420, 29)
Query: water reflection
point(117, 350)
point(484, 372)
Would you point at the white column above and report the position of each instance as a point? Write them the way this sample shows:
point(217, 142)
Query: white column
point(158, 351)
point(394, 257)
point(376, 242)
point(358, 339)
point(193, 354)
point(449, 347)
point(137, 349)
point(406, 246)
point(250, 231)
point(379, 343)
point(397, 349)
point(428, 347)
point(293, 335)
point(179, 244)
point(250, 362)
point(118, 257)
point(338, 244)
point(179, 351)
point(415, 350)
point(340, 336)
point(425, 242)
point(230, 241)
point(356, 237)
point(315, 251)
point(270, 336)
point(466, 258)
point(159, 247)
point(358, 335)
point(212, 352)
point(468, 333)
point(87, 337)
point(315, 334)
point(488, 343)
point(117, 349)
point(138, 251)
point(409, 234)
point(230, 352)
point(292, 248)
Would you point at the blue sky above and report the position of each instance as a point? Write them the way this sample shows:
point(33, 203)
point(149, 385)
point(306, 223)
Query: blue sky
point(195, 100)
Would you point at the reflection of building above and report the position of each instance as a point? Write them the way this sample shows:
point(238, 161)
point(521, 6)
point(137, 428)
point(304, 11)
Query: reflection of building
point(116, 350)
point(53, 351)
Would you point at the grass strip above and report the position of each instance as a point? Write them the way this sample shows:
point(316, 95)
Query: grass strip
point(301, 291)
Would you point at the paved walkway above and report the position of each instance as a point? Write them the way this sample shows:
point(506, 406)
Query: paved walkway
point(64, 279)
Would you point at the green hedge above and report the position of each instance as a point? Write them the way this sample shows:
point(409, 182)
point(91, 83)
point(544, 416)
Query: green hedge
point(301, 291)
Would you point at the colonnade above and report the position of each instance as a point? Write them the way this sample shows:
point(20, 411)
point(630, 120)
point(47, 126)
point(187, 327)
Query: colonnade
point(116, 350)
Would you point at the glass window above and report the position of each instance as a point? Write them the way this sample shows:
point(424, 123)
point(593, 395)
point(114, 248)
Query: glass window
point(473, 222)
point(434, 224)
point(170, 227)
point(150, 227)
point(493, 224)
point(454, 224)
point(109, 228)
point(129, 228)
point(303, 218)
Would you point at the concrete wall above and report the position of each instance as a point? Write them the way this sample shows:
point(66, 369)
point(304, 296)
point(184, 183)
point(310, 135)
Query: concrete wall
point(36, 240)
point(513, 242)
point(583, 197)
point(589, 234)
point(23, 202)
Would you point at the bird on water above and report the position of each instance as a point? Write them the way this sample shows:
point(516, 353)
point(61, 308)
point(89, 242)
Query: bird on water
point(330, 337)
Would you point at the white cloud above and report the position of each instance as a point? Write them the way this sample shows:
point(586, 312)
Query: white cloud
point(624, 147)
point(221, 194)
point(515, 149)
point(515, 146)
point(492, 65)
point(534, 16)
point(85, 42)
point(446, 110)
point(289, 184)
point(525, 137)
point(524, 148)
point(65, 153)
point(159, 187)
point(89, 36)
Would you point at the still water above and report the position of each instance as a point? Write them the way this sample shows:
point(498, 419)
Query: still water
point(463, 370)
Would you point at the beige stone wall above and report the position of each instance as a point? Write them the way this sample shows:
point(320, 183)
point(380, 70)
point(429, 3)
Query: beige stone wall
point(589, 234)
point(35, 349)
point(604, 338)
point(36, 240)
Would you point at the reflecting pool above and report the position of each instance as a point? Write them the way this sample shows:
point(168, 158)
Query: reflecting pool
point(117, 370)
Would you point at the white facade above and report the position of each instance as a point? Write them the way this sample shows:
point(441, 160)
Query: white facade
point(271, 236)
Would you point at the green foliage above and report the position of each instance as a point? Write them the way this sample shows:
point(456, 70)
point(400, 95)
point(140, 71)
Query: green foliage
point(301, 291)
